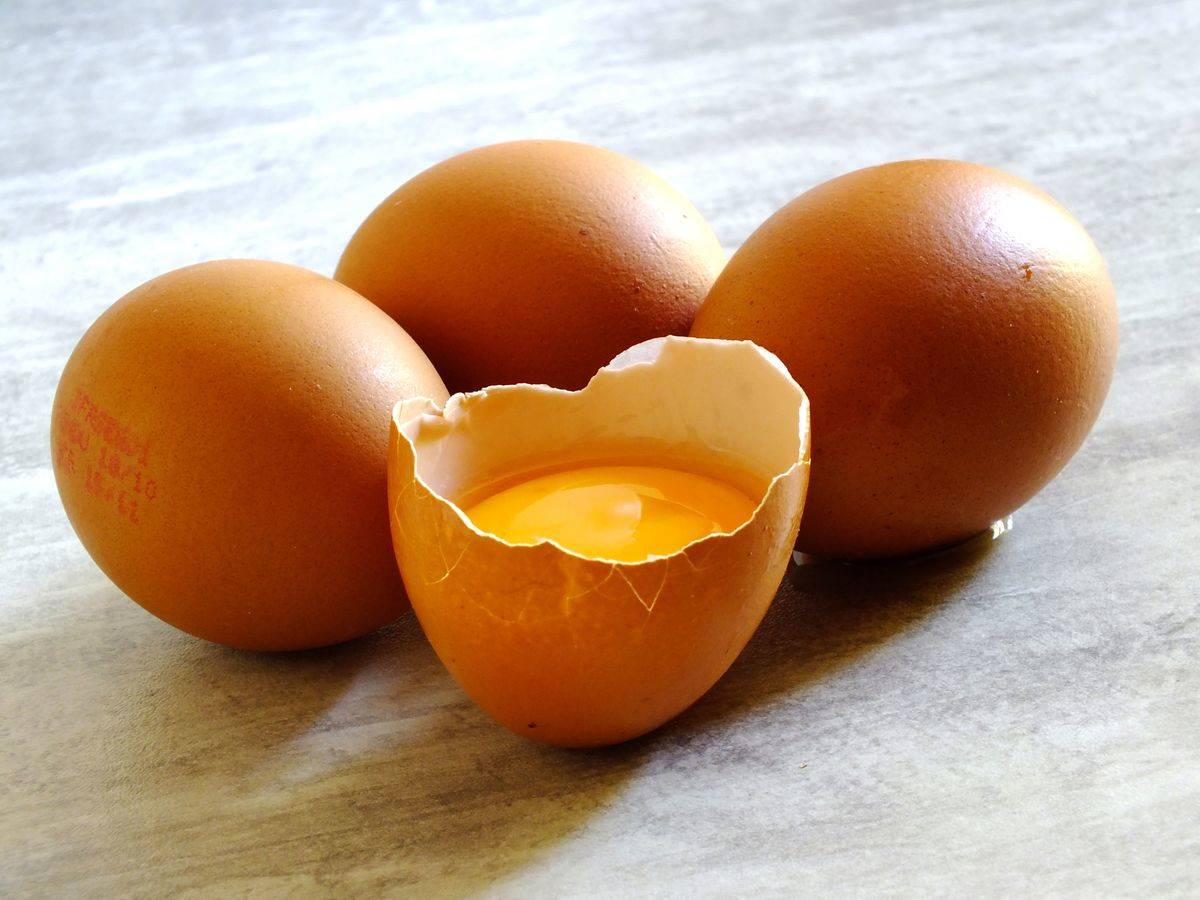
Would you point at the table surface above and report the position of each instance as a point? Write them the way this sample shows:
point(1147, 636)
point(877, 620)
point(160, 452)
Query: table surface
point(1019, 717)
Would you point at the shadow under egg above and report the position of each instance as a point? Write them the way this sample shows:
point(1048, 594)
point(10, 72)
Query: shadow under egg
point(200, 711)
point(364, 759)
point(829, 613)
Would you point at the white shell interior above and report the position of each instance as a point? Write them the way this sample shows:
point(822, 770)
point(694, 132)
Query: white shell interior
point(731, 402)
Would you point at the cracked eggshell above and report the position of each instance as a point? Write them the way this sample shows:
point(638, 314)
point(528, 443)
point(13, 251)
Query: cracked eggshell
point(585, 652)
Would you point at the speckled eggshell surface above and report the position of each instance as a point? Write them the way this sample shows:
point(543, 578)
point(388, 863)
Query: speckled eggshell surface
point(219, 441)
point(533, 261)
point(955, 329)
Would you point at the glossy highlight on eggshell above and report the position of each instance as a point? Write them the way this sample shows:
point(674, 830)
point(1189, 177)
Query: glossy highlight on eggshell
point(219, 442)
point(533, 261)
point(577, 651)
point(956, 330)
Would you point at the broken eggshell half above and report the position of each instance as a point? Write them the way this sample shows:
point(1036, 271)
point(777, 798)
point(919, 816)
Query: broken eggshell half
point(581, 652)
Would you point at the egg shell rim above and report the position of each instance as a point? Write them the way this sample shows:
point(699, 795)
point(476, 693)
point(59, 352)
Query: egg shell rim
point(643, 355)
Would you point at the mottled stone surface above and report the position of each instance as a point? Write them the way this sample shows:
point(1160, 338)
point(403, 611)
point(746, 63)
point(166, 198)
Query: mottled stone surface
point(1021, 717)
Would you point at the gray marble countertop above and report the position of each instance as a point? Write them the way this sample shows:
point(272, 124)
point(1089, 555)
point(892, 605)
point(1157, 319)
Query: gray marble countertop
point(1017, 718)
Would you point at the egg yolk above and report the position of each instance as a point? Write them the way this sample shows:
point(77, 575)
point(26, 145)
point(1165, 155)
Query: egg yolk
point(621, 513)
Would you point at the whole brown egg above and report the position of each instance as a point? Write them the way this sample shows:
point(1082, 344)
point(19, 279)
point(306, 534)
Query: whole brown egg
point(533, 261)
point(955, 329)
point(219, 440)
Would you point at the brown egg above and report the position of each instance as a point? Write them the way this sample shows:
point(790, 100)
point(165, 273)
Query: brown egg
point(533, 261)
point(571, 648)
point(220, 440)
point(955, 330)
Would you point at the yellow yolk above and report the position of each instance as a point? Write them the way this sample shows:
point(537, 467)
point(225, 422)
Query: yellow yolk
point(622, 513)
